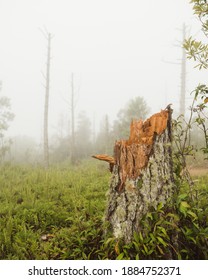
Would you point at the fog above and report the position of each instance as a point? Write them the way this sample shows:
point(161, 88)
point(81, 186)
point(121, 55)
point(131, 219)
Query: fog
point(116, 49)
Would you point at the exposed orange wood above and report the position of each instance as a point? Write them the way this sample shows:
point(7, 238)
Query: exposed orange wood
point(132, 155)
point(104, 157)
point(107, 158)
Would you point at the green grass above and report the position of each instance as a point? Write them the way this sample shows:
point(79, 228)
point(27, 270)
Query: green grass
point(66, 202)
point(58, 214)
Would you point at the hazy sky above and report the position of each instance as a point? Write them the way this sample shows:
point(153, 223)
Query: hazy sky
point(115, 48)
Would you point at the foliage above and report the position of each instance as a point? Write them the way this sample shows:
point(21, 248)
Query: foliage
point(198, 51)
point(177, 230)
point(89, 141)
point(200, 8)
point(5, 113)
point(180, 230)
point(183, 148)
point(136, 108)
point(67, 204)
point(58, 214)
point(5, 117)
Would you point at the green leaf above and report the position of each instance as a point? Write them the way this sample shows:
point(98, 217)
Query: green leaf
point(183, 207)
point(160, 206)
point(109, 240)
point(136, 237)
point(182, 196)
point(174, 216)
point(192, 214)
point(137, 257)
point(152, 237)
point(192, 239)
point(185, 204)
point(141, 237)
point(136, 246)
point(145, 248)
point(120, 257)
point(149, 215)
point(161, 241)
point(160, 249)
point(163, 230)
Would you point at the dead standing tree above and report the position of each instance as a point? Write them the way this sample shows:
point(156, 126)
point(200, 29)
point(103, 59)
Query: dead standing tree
point(142, 173)
point(72, 121)
point(48, 37)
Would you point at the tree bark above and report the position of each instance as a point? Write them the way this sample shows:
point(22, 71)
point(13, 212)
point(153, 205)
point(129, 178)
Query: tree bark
point(142, 174)
point(46, 105)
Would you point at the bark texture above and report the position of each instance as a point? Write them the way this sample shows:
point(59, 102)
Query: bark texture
point(142, 173)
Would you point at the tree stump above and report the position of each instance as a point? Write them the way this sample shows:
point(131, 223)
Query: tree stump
point(142, 173)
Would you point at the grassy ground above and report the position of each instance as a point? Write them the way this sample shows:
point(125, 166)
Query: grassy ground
point(51, 214)
point(58, 214)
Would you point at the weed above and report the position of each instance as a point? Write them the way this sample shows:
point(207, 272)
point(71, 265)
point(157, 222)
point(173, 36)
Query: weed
point(58, 214)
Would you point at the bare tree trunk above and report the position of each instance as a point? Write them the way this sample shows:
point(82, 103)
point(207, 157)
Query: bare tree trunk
point(142, 174)
point(183, 76)
point(72, 121)
point(47, 88)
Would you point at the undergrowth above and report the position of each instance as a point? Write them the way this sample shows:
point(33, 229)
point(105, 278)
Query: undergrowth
point(58, 214)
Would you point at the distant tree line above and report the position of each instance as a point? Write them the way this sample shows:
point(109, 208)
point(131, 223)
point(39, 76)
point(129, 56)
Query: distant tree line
point(6, 116)
point(24, 149)
point(87, 143)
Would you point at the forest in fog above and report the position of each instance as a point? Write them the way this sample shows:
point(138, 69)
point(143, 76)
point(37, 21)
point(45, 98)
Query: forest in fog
point(25, 149)
point(73, 85)
point(78, 144)
point(124, 82)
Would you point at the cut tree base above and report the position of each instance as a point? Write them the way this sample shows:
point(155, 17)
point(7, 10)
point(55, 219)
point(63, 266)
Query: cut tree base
point(142, 174)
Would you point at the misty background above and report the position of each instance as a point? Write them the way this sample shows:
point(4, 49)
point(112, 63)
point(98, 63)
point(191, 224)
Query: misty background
point(117, 50)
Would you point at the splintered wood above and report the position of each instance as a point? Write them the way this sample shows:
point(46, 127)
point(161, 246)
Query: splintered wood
point(106, 158)
point(131, 156)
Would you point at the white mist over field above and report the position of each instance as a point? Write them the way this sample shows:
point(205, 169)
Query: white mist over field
point(116, 49)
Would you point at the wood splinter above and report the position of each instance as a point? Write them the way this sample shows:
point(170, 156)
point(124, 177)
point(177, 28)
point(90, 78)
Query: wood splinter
point(106, 158)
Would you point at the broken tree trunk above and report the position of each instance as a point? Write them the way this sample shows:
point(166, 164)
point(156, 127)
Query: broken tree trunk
point(142, 173)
